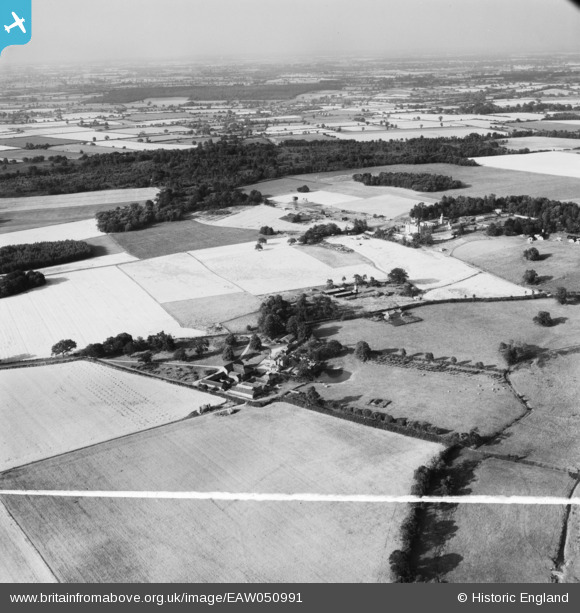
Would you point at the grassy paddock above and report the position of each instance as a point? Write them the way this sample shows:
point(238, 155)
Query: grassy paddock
point(503, 256)
point(279, 448)
point(453, 402)
point(502, 543)
point(469, 331)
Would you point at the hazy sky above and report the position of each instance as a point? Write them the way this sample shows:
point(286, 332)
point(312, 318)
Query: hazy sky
point(92, 30)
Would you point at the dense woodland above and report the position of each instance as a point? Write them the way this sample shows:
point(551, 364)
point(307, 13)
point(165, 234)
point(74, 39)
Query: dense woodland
point(39, 255)
point(548, 215)
point(17, 282)
point(217, 92)
point(420, 182)
point(209, 176)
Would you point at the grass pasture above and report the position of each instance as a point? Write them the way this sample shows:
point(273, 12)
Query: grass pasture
point(542, 143)
point(445, 328)
point(504, 543)
point(33, 139)
point(457, 403)
point(279, 448)
point(503, 256)
point(174, 237)
point(19, 562)
point(50, 410)
point(550, 432)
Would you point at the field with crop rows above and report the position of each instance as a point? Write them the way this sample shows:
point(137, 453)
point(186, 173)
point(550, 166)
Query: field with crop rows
point(50, 410)
point(558, 163)
point(276, 449)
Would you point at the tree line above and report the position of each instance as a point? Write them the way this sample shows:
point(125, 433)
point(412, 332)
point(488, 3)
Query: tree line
point(548, 215)
point(420, 182)
point(40, 255)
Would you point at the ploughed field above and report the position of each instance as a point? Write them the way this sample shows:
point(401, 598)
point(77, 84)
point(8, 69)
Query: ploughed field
point(276, 449)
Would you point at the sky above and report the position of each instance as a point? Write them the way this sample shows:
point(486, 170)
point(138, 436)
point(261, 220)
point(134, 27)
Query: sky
point(89, 31)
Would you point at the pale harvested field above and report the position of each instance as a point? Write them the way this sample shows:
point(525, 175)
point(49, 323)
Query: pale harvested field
point(550, 433)
point(482, 285)
point(318, 197)
point(541, 143)
point(137, 146)
point(279, 448)
point(278, 268)
point(445, 328)
point(412, 133)
point(388, 205)
point(503, 256)
point(332, 257)
point(113, 196)
point(177, 277)
point(556, 163)
point(78, 230)
point(86, 306)
point(457, 403)
point(203, 312)
point(50, 410)
point(255, 217)
point(279, 187)
point(481, 180)
point(426, 268)
point(506, 543)
point(113, 259)
point(19, 562)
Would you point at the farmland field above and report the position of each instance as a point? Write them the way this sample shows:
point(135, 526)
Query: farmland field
point(77, 231)
point(482, 285)
point(174, 237)
point(453, 402)
point(427, 269)
point(19, 562)
point(86, 306)
point(413, 133)
point(505, 543)
point(557, 163)
point(113, 196)
point(318, 197)
point(503, 256)
point(203, 312)
point(275, 449)
point(113, 259)
point(253, 218)
point(50, 410)
point(176, 277)
point(550, 433)
point(278, 268)
point(445, 328)
point(481, 180)
point(21, 141)
point(538, 143)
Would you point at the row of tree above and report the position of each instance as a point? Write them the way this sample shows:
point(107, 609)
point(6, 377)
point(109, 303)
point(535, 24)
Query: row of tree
point(40, 255)
point(125, 344)
point(420, 182)
point(542, 213)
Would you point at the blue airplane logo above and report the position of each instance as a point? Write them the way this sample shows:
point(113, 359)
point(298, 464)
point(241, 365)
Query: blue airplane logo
point(15, 22)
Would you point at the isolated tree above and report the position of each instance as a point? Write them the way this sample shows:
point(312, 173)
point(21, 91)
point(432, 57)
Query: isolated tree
point(291, 241)
point(63, 347)
point(453, 360)
point(329, 283)
point(228, 353)
point(531, 277)
point(255, 343)
point(532, 254)
point(429, 356)
point(180, 355)
point(479, 365)
point(403, 353)
point(258, 247)
point(262, 240)
point(561, 295)
point(398, 276)
point(313, 398)
point(231, 339)
point(200, 346)
point(543, 318)
point(362, 351)
point(146, 358)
